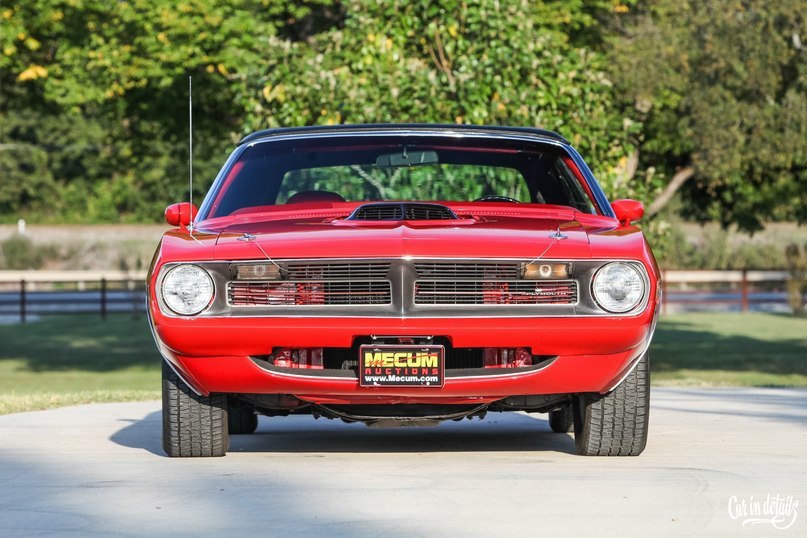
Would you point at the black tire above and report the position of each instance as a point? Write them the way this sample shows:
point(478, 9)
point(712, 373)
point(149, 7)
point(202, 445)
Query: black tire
point(193, 425)
point(615, 424)
point(562, 420)
point(241, 419)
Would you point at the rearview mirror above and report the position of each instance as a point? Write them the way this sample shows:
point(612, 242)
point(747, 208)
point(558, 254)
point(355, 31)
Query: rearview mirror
point(628, 211)
point(406, 158)
point(181, 214)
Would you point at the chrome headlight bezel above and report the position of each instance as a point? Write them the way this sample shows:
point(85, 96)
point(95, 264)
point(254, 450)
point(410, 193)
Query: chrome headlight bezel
point(201, 291)
point(636, 292)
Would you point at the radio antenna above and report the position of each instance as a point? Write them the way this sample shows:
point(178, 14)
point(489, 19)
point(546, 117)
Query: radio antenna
point(190, 153)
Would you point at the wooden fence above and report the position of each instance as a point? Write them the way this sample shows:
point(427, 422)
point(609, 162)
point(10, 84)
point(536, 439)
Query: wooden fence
point(23, 293)
point(743, 288)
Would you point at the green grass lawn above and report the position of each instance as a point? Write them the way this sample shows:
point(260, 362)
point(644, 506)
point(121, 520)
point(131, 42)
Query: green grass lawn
point(79, 359)
point(731, 349)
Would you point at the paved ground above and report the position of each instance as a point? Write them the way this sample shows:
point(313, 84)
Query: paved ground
point(98, 470)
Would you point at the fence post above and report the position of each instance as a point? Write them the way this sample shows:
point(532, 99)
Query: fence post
point(133, 288)
point(745, 291)
point(22, 301)
point(103, 298)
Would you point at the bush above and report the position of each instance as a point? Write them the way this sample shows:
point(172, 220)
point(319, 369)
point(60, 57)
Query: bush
point(797, 285)
point(714, 250)
point(18, 252)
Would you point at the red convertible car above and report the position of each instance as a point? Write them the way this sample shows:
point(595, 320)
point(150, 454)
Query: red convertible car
point(402, 275)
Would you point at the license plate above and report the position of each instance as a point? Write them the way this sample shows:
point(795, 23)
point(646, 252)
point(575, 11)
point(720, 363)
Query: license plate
point(401, 366)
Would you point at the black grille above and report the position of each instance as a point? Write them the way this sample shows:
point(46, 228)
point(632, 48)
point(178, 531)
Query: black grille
point(468, 270)
point(521, 292)
point(308, 293)
point(378, 212)
point(457, 358)
point(387, 211)
point(428, 212)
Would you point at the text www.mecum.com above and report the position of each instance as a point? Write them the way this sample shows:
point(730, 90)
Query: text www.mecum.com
point(402, 378)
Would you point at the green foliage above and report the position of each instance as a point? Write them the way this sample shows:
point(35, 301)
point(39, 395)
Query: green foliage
point(93, 115)
point(715, 250)
point(447, 62)
point(720, 86)
point(796, 257)
point(96, 111)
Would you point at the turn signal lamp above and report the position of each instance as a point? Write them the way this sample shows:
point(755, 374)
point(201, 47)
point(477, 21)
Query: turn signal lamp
point(257, 272)
point(546, 271)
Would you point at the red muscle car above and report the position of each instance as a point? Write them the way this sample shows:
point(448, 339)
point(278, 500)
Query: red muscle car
point(402, 275)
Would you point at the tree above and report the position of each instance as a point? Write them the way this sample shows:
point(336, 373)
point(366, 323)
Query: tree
point(453, 61)
point(94, 92)
point(104, 86)
point(720, 88)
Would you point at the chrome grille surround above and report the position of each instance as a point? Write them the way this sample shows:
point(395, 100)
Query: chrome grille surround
point(399, 276)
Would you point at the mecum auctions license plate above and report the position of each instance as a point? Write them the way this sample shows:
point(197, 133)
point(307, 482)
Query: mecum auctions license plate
point(401, 366)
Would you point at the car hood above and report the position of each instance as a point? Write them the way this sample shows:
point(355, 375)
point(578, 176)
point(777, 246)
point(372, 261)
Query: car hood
point(499, 236)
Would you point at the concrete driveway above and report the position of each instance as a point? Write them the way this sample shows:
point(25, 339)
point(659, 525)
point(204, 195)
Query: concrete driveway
point(715, 464)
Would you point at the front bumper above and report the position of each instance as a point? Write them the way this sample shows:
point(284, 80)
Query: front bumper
point(214, 354)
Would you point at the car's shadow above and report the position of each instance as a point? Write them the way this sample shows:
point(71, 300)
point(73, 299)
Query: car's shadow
point(505, 432)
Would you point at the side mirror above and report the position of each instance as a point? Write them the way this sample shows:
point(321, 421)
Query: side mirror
point(180, 214)
point(628, 211)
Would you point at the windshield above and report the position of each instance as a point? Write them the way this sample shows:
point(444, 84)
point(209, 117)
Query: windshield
point(334, 170)
point(365, 182)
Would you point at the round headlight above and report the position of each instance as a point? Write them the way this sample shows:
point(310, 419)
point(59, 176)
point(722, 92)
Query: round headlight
point(187, 289)
point(618, 287)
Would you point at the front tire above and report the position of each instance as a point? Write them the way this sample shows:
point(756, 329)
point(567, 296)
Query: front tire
point(615, 424)
point(241, 420)
point(193, 425)
point(562, 420)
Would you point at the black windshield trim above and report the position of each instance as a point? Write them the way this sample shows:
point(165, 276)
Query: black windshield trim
point(268, 133)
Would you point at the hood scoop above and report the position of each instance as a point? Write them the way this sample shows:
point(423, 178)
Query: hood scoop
point(402, 211)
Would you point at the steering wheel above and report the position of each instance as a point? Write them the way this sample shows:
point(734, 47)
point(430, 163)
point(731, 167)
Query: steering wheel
point(497, 199)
